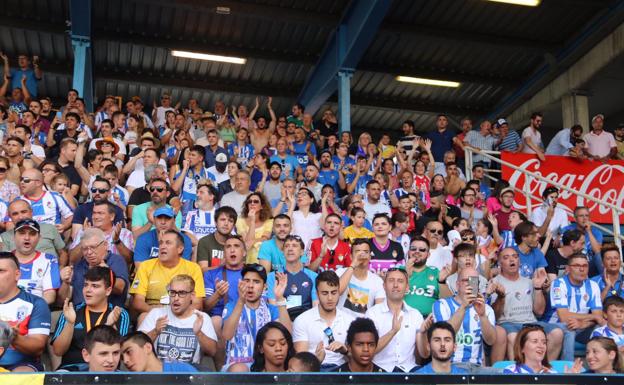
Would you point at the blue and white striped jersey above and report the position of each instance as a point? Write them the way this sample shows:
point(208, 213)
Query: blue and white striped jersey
point(50, 208)
point(124, 195)
point(189, 187)
point(604, 331)
point(524, 369)
point(469, 339)
point(580, 299)
point(200, 223)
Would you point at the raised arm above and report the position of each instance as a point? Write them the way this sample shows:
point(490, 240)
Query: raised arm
point(273, 121)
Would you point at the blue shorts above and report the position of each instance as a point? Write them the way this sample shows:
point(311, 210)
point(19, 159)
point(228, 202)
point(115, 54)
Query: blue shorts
point(511, 327)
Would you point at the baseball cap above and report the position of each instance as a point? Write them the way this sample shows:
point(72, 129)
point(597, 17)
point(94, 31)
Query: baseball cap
point(500, 122)
point(598, 116)
point(27, 223)
point(221, 158)
point(164, 211)
point(506, 190)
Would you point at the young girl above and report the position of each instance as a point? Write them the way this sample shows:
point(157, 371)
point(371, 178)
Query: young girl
point(485, 243)
point(356, 229)
point(134, 132)
point(454, 237)
point(60, 184)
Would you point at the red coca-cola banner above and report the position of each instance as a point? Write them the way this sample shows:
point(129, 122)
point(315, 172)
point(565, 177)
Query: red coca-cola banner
point(603, 181)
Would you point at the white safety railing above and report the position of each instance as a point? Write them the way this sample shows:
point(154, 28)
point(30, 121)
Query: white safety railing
point(526, 190)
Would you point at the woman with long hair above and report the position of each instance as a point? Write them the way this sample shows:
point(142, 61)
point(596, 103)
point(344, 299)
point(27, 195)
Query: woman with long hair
point(49, 169)
point(530, 352)
point(306, 220)
point(8, 190)
point(602, 356)
point(255, 224)
point(273, 348)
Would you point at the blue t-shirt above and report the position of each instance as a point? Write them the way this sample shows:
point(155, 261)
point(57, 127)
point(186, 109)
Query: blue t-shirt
point(301, 153)
point(428, 369)
point(270, 252)
point(441, 142)
point(595, 261)
point(116, 263)
point(147, 247)
point(289, 165)
point(31, 80)
point(618, 286)
point(360, 187)
point(300, 290)
point(211, 277)
point(243, 154)
point(531, 261)
point(177, 366)
point(256, 178)
point(348, 163)
point(329, 177)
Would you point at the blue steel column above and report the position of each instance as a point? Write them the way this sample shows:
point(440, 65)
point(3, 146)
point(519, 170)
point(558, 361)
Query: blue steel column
point(80, 13)
point(344, 100)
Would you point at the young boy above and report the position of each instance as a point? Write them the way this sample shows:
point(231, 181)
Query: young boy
point(138, 355)
point(304, 362)
point(613, 312)
point(102, 349)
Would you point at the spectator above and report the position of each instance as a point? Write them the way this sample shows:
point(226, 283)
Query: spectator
point(385, 253)
point(28, 316)
point(47, 206)
point(531, 257)
point(94, 253)
point(593, 239)
point(179, 331)
point(572, 242)
point(202, 221)
point(549, 217)
point(481, 140)
point(271, 253)
point(441, 138)
point(468, 208)
point(304, 362)
point(306, 221)
point(532, 138)
point(439, 256)
point(139, 355)
point(193, 170)
point(424, 281)
point(271, 186)
point(361, 342)
point(255, 224)
point(283, 204)
point(235, 199)
point(465, 126)
point(372, 204)
point(563, 142)
point(613, 310)
point(357, 181)
point(402, 328)
point(618, 135)
point(508, 140)
point(329, 252)
point(530, 351)
point(100, 193)
point(441, 340)
point(357, 229)
point(290, 165)
point(24, 74)
point(210, 247)
point(76, 321)
point(611, 280)
point(464, 257)
point(328, 173)
point(243, 318)
point(102, 349)
point(603, 357)
point(143, 214)
point(501, 216)
point(273, 349)
point(601, 145)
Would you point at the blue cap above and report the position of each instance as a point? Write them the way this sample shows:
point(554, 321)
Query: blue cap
point(164, 211)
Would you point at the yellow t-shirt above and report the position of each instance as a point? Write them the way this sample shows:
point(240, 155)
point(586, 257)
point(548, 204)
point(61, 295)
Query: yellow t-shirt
point(351, 233)
point(152, 278)
point(387, 151)
point(252, 250)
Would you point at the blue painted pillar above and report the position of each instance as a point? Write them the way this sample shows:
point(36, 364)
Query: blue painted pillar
point(80, 13)
point(344, 99)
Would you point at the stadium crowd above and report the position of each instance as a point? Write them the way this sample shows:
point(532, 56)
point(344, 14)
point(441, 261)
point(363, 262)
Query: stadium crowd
point(182, 239)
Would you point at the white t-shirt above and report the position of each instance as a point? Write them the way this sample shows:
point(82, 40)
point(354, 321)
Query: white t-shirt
point(439, 257)
point(177, 340)
point(536, 138)
point(160, 115)
point(308, 228)
point(557, 222)
point(37, 151)
point(361, 295)
point(375, 208)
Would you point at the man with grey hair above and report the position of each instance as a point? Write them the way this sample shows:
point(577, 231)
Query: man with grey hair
point(235, 199)
point(94, 248)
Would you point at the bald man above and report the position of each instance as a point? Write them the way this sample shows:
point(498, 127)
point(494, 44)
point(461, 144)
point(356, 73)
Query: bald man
point(47, 206)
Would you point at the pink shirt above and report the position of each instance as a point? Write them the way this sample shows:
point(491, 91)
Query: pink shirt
point(599, 145)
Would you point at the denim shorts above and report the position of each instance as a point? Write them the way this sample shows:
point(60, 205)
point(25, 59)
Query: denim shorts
point(511, 327)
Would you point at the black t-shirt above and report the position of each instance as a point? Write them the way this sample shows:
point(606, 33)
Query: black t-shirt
point(326, 130)
point(392, 252)
point(72, 174)
point(59, 135)
point(556, 262)
point(85, 210)
point(139, 196)
point(344, 368)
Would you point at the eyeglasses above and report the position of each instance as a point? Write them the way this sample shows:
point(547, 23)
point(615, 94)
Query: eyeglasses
point(579, 266)
point(88, 249)
point(436, 231)
point(98, 190)
point(3, 170)
point(181, 293)
point(467, 238)
point(256, 201)
point(158, 189)
point(48, 170)
point(421, 249)
point(28, 180)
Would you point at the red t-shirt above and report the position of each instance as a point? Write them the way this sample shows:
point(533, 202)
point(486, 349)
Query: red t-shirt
point(341, 255)
point(503, 220)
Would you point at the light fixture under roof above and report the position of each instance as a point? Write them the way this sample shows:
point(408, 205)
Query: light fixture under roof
point(527, 3)
point(205, 56)
point(429, 82)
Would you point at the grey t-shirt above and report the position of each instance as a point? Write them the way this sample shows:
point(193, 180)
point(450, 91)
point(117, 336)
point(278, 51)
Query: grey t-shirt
point(272, 191)
point(49, 242)
point(234, 200)
point(518, 300)
point(476, 215)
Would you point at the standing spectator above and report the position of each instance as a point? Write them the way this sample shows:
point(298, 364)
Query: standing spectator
point(441, 138)
point(424, 281)
point(465, 126)
point(213, 150)
point(306, 221)
point(17, 75)
point(357, 181)
point(618, 135)
point(564, 141)
point(601, 144)
point(406, 142)
point(290, 164)
point(508, 140)
point(481, 140)
point(593, 239)
point(328, 173)
point(547, 216)
point(532, 138)
point(572, 242)
point(159, 112)
point(193, 170)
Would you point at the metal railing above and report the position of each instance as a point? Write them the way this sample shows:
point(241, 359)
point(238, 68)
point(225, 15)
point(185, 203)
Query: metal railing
point(529, 176)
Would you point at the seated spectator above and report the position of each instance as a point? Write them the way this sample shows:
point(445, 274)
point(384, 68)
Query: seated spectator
point(593, 239)
point(300, 292)
point(304, 362)
point(405, 207)
point(147, 244)
point(575, 300)
point(201, 221)
point(373, 204)
point(357, 229)
point(251, 307)
point(400, 224)
point(361, 342)
point(94, 253)
point(401, 327)
point(271, 186)
point(50, 240)
point(572, 242)
point(613, 310)
point(322, 330)
point(441, 340)
point(611, 281)
point(356, 180)
point(385, 253)
point(29, 317)
point(470, 316)
point(47, 206)
point(179, 331)
point(138, 355)
point(531, 257)
point(102, 349)
point(439, 211)
point(530, 350)
point(227, 186)
point(254, 224)
point(468, 207)
point(39, 272)
point(329, 252)
point(548, 216)
point(236, 198)
point(119, 195)
point(75, 322)
point(273, 349)
point(464, 256)
point(210, 247)
point(143, 214)
point(286, 199)
point(360, 287)
point(100, 193)
point(506, 237)
point(6, 336)
point(149, 288)
point(602, 357)
point(520, 302)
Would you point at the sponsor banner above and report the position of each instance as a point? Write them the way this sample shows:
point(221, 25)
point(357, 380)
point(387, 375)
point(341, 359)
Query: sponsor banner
point(603, 181)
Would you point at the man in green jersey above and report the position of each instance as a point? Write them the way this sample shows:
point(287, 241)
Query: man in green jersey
point(425, 282)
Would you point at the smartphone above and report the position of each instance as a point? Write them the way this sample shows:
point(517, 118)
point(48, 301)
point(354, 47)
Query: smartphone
point(59, 115)
point(473, 282)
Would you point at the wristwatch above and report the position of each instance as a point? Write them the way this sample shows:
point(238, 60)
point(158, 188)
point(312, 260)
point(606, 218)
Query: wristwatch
point(118, 241)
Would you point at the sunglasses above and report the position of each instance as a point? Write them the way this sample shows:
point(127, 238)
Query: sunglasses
point(27, 180)
point(158, 189)
point(421, 249)
point(467, 238)
point(434, 231)
point(99, 190)
point(256, 201)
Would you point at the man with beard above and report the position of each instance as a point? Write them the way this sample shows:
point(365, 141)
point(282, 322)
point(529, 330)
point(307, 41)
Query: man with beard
point(424, 281)
point(330, 252)
point(100, 193)
point(373, 205)
point(310, 174)
point(402, 328)
point(179, 331)
point(572, 242)
point(322, 330)
point(441, 337)
point(361, 342)
point(271, 253)
point(304, 150)
point(143, 214)
point(272, 188)
point(261, 133)
point(501, 216)
point(219, 169)
point(564, 140)
point(213, 149)
point(39, 271)
point(210, 248)
point(67, 154)
point(290, 164)
point(439, 211)
point(201, 221)
point(47, 206)
point(532, 138)
point(329, 175)
point(77, 320)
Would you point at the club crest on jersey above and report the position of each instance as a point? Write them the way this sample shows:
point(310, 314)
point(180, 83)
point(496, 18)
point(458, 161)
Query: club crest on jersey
point(431, 277)
point(394, 254)
point(40, 272)
point(585, 297)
